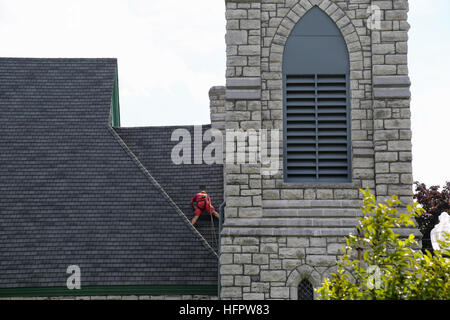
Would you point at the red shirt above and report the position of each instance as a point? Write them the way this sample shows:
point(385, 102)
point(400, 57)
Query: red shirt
point(201, 197)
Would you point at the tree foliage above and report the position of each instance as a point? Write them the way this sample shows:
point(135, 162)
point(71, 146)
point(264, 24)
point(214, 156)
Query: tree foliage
point(379, 264)
point(434, 202)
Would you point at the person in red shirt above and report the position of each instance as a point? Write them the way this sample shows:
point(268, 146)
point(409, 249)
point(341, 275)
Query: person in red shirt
point(202, 203)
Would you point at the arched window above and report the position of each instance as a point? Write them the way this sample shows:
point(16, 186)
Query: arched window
point(305, 290)
point(316, 72)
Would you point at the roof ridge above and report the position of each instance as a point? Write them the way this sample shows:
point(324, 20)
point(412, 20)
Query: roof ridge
point(161, 190)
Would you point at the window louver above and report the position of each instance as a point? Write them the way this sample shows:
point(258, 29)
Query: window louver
point(317, 128)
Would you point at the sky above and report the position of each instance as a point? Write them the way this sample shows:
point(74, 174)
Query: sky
point(429, 67)
point(170, 55)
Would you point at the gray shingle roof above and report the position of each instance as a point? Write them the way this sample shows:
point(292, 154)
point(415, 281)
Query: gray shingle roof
point(70, 193)
point(153, 147)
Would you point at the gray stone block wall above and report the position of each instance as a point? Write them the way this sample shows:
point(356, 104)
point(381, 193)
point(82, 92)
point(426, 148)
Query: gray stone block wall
point(217, 107)
point(271, 267)
point(277, 233)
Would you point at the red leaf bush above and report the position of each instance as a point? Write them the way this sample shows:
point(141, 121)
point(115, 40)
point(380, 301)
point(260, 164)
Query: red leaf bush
point(434, 202)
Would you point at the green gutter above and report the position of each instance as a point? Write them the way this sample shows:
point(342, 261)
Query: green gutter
point(115, 112)
point(108, 291)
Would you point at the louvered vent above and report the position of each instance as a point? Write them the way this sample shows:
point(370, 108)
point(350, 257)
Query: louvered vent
point(317, 128)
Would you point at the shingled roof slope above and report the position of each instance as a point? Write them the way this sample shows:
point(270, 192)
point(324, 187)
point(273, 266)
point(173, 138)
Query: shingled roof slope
point(153, 147)
point(71, 194)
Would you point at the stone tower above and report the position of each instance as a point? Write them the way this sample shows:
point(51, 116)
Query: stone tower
point(286, 228)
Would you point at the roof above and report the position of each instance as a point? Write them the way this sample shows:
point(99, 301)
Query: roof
point(73, 193)
point(153, 147)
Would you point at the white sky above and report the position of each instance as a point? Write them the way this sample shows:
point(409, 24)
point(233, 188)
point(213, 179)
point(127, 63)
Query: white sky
point(429, 66)
point(171, 54)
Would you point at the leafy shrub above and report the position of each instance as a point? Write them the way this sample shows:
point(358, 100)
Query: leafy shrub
point(379, 264)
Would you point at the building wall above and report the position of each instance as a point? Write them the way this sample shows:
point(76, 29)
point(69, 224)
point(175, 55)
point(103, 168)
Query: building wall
point(275, 234)
point(217, 107)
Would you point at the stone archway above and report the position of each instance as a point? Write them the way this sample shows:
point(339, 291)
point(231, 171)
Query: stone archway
point(297, 275)
point(360, 68)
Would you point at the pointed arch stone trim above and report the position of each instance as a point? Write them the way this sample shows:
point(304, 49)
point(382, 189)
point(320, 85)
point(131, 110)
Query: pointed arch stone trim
point(360, 75)
point(339, 17)
point(298, 275)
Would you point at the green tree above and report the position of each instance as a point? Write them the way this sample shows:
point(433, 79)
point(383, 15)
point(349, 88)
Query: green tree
point(379, 264)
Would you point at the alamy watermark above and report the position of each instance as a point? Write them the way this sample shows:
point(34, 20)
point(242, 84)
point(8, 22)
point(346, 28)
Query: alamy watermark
point(375, 15)
point(241, 147)
point(374, 279)
point(74, 280)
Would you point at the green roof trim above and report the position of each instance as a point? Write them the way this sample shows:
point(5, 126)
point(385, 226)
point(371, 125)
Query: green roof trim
point(210, 290)
point(115, 119)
